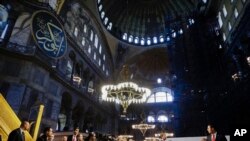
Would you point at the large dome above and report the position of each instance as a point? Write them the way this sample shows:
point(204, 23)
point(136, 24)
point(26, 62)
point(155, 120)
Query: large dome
point(146, 22)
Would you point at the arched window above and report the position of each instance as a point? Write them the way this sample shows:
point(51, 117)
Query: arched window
point(155, 40)
point(162, 118)
point(100, 49)
point(224, 10)
point(91, 35)
point(142, 41)
point(220, 19)
point(125, 36)
point(151, 118)
point(163, 97)
point(109, 26)
point(161, 39)
point(85, 28)
point(4, 22)
point(94, 56)
point(91, 86)
point(104, 57)
point(160, 97)
point(151, 99)
point(83, 41)
point(103, 67)
point(106, 21)
point(99, 62)
point(89, 49)
point(170, 98)
point(136, 40)
point(107, 73)
point(102, 14)
point(148, 41)
point(130, 39)
point(96, 41)
point(236, 13)
point(100, 7)
point(76, 31)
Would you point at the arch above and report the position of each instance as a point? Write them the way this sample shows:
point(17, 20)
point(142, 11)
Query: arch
point(78, 114)
point(72, 55)
point(70, 65)
point(64, 116)
point(162, 116)
point(91, 84)
point(79, 68)
point(89, 119)
point(90, 33)
point(90, 112)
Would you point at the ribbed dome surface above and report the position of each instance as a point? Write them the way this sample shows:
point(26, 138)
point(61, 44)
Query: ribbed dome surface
point(145, 18)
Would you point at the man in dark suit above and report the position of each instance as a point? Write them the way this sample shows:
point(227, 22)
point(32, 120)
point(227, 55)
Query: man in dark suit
point(213, 135)
point(18, 134)
point(47, 134)
point(74, 136)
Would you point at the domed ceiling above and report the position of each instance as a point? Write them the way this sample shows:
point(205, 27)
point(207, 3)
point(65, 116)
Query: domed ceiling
point(146, 22)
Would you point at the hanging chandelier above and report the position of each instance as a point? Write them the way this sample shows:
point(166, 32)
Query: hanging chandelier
point(125, 136)
point(152, 139)
point(125, 92)
point(170, 134)
point(143, 127)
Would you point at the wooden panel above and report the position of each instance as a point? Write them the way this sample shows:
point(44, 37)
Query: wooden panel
point(9, 121)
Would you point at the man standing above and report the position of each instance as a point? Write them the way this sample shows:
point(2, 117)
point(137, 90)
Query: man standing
point(74, 136)
point(18, 134)
point(47, 134)
point(213, 135)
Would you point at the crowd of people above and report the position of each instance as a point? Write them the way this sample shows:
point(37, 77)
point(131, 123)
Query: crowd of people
point(48, 135)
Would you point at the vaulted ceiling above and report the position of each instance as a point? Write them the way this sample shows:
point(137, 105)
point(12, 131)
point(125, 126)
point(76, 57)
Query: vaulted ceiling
point(146, 18)
point(156, 23)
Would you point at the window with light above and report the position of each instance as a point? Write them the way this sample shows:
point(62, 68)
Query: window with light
point(151, 118)
point(160, 97)
point(162, 118)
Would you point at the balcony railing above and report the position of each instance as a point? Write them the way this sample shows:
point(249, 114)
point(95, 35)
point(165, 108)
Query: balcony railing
point(51, 63)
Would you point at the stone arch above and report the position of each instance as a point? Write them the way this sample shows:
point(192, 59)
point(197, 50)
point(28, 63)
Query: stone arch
point(91, 84)
point(78, 72)
point(70, 65)
point(98, 121)
point(79, 68)
point(64, 117)
point(89, 119)
point(78, 114)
